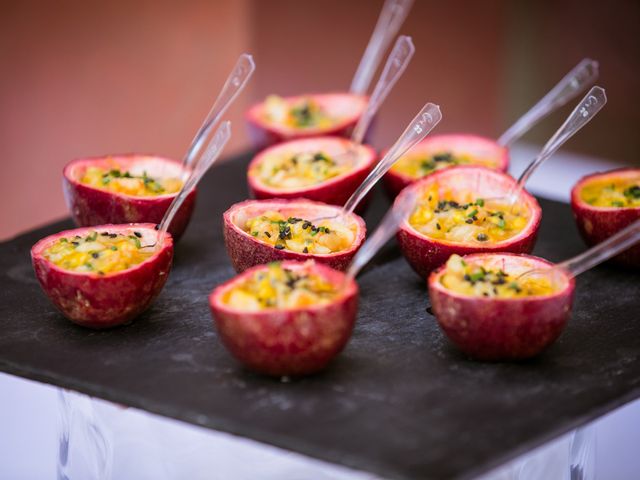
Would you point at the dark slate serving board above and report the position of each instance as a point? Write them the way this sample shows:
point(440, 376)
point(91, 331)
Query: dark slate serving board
point(400, 401)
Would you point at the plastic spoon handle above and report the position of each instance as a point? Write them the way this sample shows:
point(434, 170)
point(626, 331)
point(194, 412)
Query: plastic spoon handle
point(396, 64)
point(625, 238)
point(387, 227)
point(419, 128)
point(583, 75)
point(588, 107)
point(391, 17)
point(235, 83)
point(211, 154)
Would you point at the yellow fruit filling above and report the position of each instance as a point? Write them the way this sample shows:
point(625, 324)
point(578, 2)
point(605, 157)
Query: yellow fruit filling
point(475, 280)
point(298, 170)
point(279, 287)
point(466, 219)
point(300, 235)
point(621, 193)
point(418, 165)
point(99, 253)
point(116, 180)
point(304, 113)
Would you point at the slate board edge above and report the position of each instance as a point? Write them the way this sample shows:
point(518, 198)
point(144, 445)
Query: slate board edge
point(219, 424)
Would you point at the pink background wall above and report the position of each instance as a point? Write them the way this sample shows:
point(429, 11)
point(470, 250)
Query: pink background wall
point(88, 78)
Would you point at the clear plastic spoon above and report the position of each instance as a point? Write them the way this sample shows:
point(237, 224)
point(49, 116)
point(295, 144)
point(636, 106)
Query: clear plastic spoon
point(395, 66)
point(583, 75)
point(618, 243)
point(584, 112)
point(235, 83)
point(397, 63)
point(393, 13)
point(426, 119)
point(208, 158)
point(389, 225)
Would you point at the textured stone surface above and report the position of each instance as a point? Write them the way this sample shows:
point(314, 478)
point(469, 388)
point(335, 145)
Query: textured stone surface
point(399, 401)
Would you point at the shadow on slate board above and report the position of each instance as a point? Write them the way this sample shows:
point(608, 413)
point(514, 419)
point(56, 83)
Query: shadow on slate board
point(400, 401)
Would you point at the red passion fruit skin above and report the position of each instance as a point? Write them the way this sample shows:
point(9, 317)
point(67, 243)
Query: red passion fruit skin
point(425, 254)
point(348, 106)
point(335, 191)
point(596, 224)
point(456, 143)
point(245, 251)
point(104, 301)
point(290, 342)
point(494, 329)
point(93, 206)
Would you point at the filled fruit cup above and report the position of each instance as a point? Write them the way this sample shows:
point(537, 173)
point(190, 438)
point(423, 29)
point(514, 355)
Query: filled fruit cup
point(605, 203)
point(437, 152)
point(123, 189)
point(278, 119)
point(286, 318)
point(262, 231)
point(101, 277)
point(463, 210)
point(490, 312)
point(326, 169)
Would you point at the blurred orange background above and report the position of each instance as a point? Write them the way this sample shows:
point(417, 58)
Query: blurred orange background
point(84, 78)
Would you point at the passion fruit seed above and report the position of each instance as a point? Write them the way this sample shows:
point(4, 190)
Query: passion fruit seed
point(298, 234)
point(418, 165)
point(471, 221)
point(476, 280)
point(278, 287)
point(298, 170)
point(116, 180)
point(101, 253)
point(305, 113)
point(622, 193)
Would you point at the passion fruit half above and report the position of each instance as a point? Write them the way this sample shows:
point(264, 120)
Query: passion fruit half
point(437, 152)
point(262, 231)
point(286, 319)
point(123, 189)
point(279, 119)
point(103, 276)
point(491, 314)
point(605, 203)
point(319, 169)
point(456, 214)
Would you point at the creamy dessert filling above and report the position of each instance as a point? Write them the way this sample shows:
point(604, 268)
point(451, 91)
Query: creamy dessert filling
point(621, 193)
point(298, 170)
point(418, 165)
point(300, 235)
point(277, 287)
point(472, 279)
point(467, 219)
point(100, 253)
point(116, 180)
point(304, 113)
